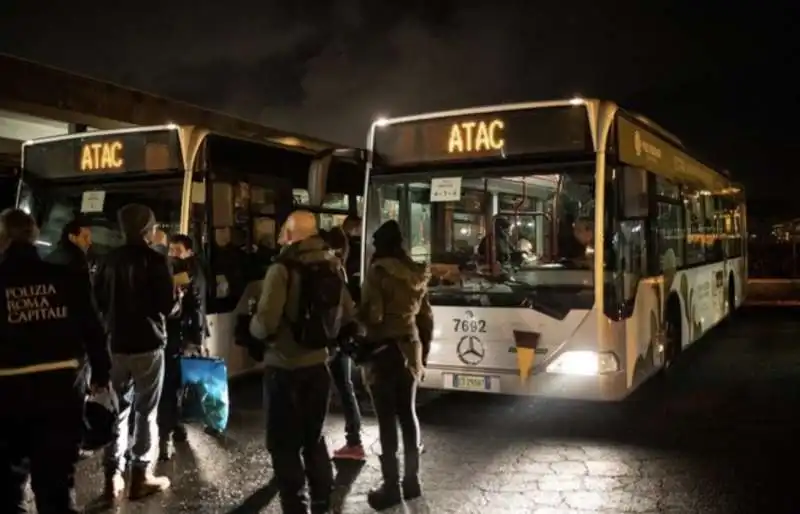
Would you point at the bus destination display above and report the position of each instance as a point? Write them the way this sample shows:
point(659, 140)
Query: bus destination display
point(484, 136)
point(129, 152)
point(102, 155)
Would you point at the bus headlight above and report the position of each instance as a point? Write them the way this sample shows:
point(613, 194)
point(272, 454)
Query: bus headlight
point(584, 363)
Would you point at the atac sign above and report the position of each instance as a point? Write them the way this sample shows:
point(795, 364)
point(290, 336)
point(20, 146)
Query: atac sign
point(476, 137)
point(102, 156)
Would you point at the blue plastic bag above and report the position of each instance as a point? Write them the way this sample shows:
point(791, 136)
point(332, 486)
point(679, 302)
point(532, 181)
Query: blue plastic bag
point(205, 391)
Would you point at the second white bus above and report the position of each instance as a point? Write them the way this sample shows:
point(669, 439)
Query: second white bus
point(576, 248)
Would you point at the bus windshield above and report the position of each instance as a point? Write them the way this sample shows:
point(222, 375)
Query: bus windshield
point(543, 226)
point(54, 203)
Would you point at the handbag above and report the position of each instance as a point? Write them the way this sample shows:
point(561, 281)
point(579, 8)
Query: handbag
point(205, 391)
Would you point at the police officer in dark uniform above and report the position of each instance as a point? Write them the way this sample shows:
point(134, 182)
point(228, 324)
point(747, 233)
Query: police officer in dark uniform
point(48, 325)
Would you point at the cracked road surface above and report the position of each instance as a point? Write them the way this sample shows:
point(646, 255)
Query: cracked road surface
point(716, 439)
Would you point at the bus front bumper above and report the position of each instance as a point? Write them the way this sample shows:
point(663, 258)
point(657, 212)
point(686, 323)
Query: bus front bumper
point(604, 387)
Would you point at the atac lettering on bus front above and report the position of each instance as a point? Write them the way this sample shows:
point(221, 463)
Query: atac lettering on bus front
point(476, 136)
point(100, 156)
point(29, 304)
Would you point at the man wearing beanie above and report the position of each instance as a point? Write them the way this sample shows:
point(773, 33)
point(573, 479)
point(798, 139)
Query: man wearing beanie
point(135, 294)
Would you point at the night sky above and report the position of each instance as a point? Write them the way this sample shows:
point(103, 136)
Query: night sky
point(720, 75)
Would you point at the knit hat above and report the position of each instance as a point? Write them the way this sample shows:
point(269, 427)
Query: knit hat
point(135, 220)
point(388, 235)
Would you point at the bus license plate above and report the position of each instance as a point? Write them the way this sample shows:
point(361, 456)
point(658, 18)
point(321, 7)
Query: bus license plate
point(472, 382)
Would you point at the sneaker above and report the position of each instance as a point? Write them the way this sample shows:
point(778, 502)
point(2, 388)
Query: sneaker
point(350, 452)
point(114, 487)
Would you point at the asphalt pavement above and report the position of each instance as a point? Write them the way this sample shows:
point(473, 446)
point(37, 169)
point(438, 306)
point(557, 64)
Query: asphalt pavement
point(717, 437)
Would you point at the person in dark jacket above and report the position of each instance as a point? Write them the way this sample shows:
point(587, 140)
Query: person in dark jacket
point(352, 228)
point(48, 325)
point(76, 238)
point(186, 330)
point(399, 324)
point(341, 370)
point(70, 251)
point(135, 293)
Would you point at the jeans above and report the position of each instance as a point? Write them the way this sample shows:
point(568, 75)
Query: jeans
point(341, 366)
point(169, 408)
point(41, 427)
point(296, 402)
point(143, 375)
point(394, 394)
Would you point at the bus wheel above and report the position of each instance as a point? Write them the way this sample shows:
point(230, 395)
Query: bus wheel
point(672, 332)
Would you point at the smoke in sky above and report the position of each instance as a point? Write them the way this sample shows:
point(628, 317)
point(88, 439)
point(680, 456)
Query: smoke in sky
point(328, 67)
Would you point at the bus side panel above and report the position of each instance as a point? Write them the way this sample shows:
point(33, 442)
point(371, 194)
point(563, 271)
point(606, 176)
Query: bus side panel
point(221, 342)
point(642, 332)
point(703, 294)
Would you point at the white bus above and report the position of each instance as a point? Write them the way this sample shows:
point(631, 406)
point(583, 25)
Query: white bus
point(576, 248)
point(229, 191)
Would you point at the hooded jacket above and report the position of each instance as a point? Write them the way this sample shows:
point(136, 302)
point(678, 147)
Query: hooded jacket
point(395, 306)
point(134, 288)
point(279, 304)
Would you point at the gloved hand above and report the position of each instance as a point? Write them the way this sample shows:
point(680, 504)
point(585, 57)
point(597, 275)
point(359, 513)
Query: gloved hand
point(195, 350)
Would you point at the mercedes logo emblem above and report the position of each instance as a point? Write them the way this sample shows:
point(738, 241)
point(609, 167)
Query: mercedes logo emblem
point(470, 350)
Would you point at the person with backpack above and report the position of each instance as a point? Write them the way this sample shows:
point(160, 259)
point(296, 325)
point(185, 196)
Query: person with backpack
point(398, 319)
point(341, 366)
point(303, 309)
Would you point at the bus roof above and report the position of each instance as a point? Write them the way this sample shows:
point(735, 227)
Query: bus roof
point(256, 134)
point(695, 170)
point(108, 105)
point(486, 109)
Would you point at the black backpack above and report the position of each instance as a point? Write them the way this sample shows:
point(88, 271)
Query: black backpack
point(319, 312)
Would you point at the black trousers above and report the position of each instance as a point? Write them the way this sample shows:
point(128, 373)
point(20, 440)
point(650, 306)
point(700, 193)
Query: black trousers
point(394, 394)
point(41, 428)
point(296, 403)
point(341, 368)
point(169, 407)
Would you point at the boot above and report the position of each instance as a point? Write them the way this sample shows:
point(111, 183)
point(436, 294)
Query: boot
point(144, 483)
point(179, 435)
point(114, 487)
point(165, 449)
point(412, 487)
point(388, 494)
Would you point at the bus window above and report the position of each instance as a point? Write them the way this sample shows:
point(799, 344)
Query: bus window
point(264, 228)
point(333, 211)
point(229, 248)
